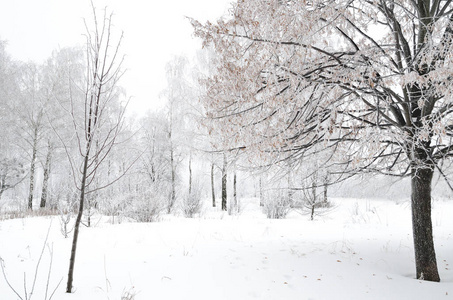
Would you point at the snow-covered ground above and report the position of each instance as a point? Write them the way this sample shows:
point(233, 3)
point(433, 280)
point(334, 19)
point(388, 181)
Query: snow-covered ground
point(361, 250)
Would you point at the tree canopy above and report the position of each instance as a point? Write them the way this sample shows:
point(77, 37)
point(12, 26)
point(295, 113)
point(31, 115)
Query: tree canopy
point(368, 79)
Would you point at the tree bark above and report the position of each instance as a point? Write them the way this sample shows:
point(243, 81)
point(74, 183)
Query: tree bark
point(235, 197)
point(173, 181)
point(224, 183)
point(212, 185)
point(326, 184)
point(32, 169)
point(45, 181)
point(314, 196)
point(425, 256)
point(190, 173)
point(77, 223)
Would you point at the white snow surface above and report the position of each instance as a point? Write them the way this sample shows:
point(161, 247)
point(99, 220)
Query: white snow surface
point(361, 250)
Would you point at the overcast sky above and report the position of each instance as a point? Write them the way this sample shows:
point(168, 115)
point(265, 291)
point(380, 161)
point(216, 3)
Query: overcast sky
point(154, 31)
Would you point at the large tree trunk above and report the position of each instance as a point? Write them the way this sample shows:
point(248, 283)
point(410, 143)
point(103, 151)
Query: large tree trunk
point(32, 169)
point(425, 256)
point(45, 180)
point(224, 183)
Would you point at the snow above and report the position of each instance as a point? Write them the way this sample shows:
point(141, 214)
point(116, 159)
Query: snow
point(360, 250)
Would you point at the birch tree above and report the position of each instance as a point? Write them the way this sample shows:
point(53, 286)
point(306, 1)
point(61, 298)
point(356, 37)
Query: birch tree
point(30, 109)
point(371, 80)
point(175, 95)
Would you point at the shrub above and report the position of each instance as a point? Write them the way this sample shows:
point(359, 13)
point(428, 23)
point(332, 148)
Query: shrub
point(191, 203)
point(276, 204)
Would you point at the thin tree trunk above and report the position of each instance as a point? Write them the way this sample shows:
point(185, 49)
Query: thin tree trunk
point(103, 74)
point(224, 183)
point(326, 184)
point(313, 187)
point(425, 256)
point(2, 185)
point(173, 182)
point(212, 185)
point(314, 200)
point(32, 169)
point(235, 197)
point(89, 213)
point(172, 161)
point(45, 180)
point(190, 173)
point(261, 192)
point(77, 223)
point(290, 185)
point(172, 165)
point(89, 199)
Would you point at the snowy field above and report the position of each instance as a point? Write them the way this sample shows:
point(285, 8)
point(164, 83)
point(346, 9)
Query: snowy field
point(360, 250)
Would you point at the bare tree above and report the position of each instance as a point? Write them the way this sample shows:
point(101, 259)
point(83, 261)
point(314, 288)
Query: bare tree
point(370, 81)
point(97, 124)
point(313, 202)
point(155, 170)
point(176, 94)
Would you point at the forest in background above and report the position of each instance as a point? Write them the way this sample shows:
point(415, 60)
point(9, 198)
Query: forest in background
point(163, 161)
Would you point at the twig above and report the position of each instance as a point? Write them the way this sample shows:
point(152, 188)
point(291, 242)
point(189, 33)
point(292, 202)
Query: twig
point(107, 282)
point(25, 286)
point(56, 288)
point(50, 269)
point(2, 264)
point(29, 296)
point(39, 260)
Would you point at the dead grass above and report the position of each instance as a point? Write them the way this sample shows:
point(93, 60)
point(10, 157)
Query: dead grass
point(18, 214)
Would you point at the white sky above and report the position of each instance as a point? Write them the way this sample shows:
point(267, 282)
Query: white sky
point(154, 32)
